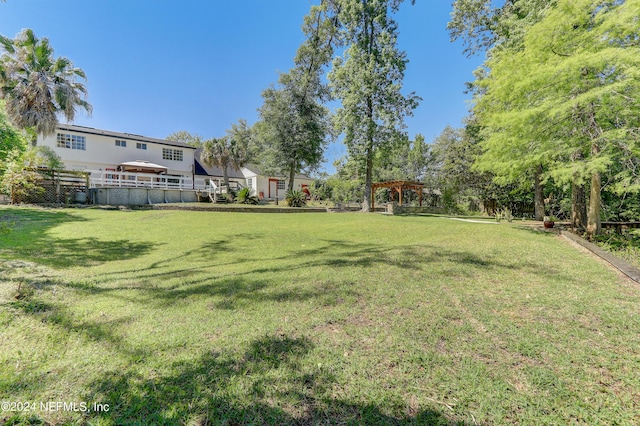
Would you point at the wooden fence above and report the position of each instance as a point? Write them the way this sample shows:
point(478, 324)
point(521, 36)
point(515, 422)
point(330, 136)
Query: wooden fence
point(61, 187)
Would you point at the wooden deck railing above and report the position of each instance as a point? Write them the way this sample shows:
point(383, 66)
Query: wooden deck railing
point(139, 180)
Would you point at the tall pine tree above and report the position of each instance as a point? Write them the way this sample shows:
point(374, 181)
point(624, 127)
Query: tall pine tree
point(367, 79)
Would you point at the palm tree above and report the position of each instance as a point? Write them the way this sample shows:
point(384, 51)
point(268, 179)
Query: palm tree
point(38, 88)
point(230, 150)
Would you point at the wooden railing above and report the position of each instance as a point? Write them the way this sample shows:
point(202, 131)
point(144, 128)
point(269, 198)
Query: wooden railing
point(139, 180)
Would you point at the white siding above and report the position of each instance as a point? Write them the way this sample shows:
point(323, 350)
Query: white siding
point(261, 184)
point(102, 153)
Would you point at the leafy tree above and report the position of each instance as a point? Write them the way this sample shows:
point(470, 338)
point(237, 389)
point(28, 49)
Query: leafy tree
point(569, 96)
point(481, 24)
point(18, 177)
point(186, 137)
point(484, 26)
point(403, 160)
point(241, 137)
point(451, 172)
point(368, 81)
point(347, 184)
point(295, 128)
point(37, 87)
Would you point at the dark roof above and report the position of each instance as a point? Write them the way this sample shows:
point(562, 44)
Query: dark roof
point(202, 169)
point(127, 136)
point(256, 169)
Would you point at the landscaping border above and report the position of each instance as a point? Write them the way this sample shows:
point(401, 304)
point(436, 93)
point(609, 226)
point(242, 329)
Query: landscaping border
point(626, 268)
point(238, 209)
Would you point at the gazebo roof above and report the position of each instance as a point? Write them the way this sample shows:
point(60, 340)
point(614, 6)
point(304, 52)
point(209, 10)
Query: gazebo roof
point(397, 184)
point(142, 166)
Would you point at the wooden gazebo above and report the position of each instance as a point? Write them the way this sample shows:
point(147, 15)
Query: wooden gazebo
point(397, 186)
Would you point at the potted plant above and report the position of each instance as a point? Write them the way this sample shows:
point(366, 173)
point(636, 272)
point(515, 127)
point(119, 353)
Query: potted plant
point(549, 222)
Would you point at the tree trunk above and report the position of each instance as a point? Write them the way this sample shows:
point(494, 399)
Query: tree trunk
point(593, 218)
point(366, 204)
point(578, 207)
point(538, 197)
point(225, 176)
point(292, 176)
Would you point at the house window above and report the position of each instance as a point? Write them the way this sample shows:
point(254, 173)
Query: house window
point(249, 183)
point(141, 145)
point(172, 154)
point(281, 184)
point(65, 140)
point(121, 143)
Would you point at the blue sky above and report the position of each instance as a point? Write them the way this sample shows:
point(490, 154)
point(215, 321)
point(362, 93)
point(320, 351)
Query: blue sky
point(158, 66)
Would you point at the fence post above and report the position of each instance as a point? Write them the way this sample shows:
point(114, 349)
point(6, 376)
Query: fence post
point(57, 181)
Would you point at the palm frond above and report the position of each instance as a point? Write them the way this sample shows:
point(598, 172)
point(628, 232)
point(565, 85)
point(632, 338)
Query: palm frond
point(38, 87)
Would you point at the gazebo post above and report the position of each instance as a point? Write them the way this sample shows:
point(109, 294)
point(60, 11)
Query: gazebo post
point(396, 185)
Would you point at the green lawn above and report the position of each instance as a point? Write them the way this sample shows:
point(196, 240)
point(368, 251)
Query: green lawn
point(201, 318)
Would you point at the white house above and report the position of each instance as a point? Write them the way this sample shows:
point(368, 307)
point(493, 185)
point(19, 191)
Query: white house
point(272, 187)
point(115, 159)
point(123, 159)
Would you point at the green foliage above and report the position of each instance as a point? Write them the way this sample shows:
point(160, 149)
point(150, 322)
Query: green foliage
point(367, 79)
point(504, 214)
point(625, 244)
point(10, 137)
point(345, 191)
point(47, 157)
point(403, 160)
point(294, 128)
point(244, 197)
point(231, 150)
point(18, 180)
point(482, 24)
point(320, 190)
point(296, 198)
point(36, 86)
point(566, 99)
point(186, 137)
point(347, 185)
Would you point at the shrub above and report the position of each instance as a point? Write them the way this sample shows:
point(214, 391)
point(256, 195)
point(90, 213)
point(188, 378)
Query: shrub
point(245, 197)
point(505, 214)
point(296, 198)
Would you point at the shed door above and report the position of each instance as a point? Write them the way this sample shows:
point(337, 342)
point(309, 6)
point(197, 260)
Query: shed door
point(273, 188)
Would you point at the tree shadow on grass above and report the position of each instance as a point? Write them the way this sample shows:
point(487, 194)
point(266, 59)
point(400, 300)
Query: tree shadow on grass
point(28, 239)
point(57, 316)
point(259, 283)
point(104, 333)
point(60, 253)
point(268, 384)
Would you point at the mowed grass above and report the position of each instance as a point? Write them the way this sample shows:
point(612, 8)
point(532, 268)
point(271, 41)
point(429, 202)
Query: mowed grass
point(175, 317)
